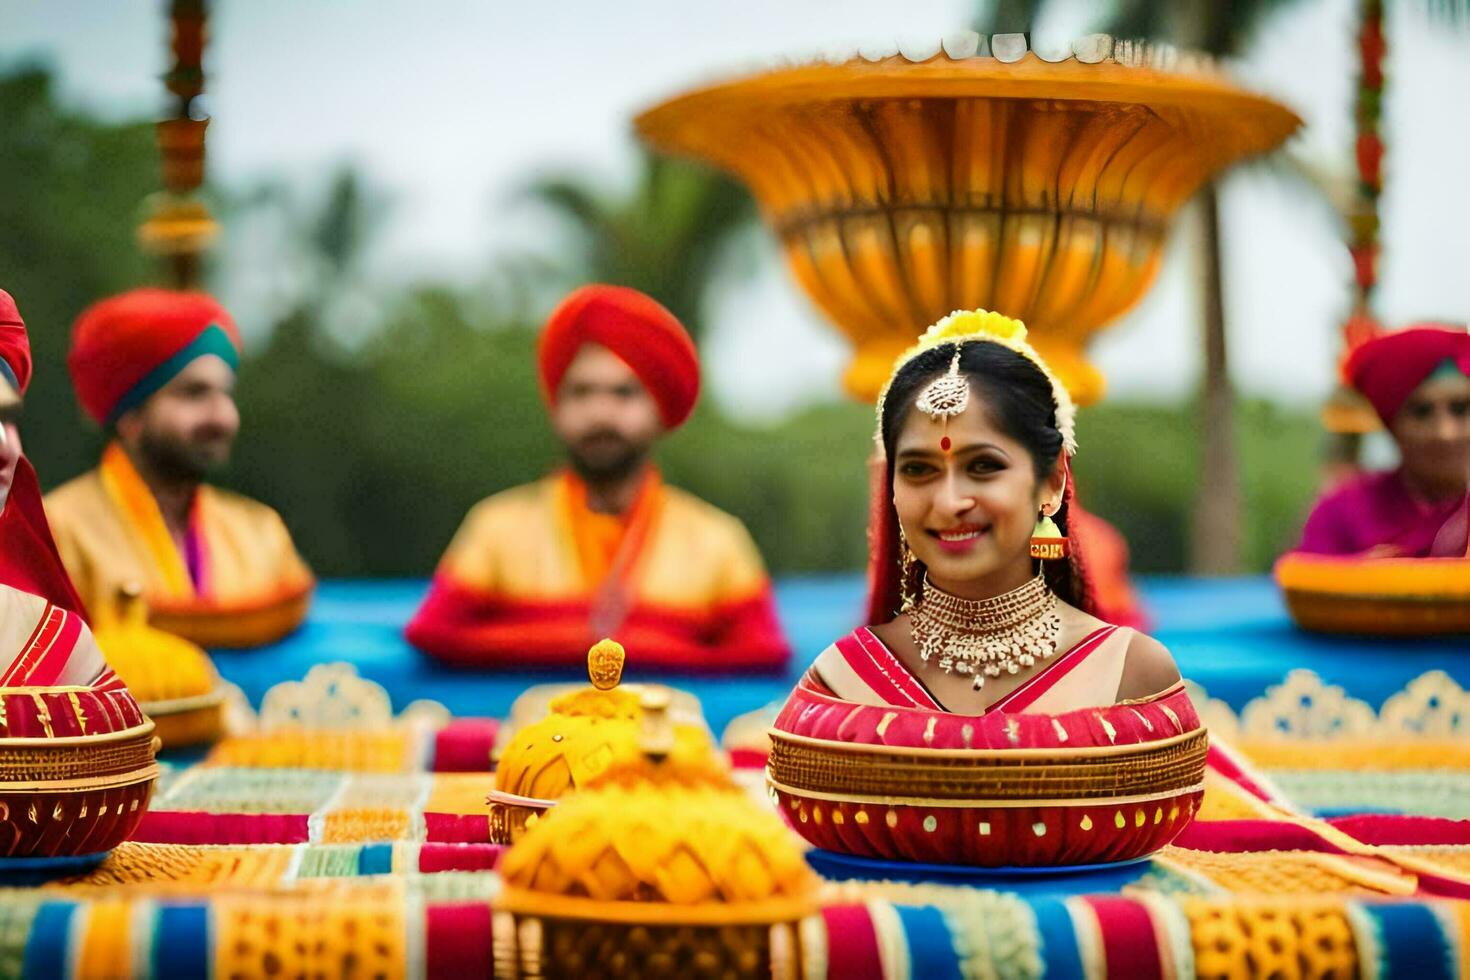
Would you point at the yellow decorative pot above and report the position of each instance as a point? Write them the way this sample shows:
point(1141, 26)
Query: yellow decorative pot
point(903, 190)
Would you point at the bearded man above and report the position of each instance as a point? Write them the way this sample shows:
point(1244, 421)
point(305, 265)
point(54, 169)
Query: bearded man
point(603, 547)
point(156, 369)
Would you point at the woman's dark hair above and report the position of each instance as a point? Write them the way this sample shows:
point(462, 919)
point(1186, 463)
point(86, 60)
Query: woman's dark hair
point(1019, 399)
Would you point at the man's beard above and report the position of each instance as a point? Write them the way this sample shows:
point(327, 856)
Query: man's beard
point(179, 461)
point(614, 458)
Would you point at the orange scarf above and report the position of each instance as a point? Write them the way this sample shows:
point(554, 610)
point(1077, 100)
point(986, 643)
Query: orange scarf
point(609, 546)
point(140, 511)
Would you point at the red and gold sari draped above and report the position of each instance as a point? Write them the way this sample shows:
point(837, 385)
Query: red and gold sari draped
point(235, 581)
point(534, 577)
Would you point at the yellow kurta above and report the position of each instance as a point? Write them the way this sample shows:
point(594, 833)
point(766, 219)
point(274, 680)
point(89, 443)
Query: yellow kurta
point(253, 587)
point(528, 581)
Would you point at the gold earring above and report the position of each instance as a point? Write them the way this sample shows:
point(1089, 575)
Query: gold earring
point(1047, 540)
point(908, 566)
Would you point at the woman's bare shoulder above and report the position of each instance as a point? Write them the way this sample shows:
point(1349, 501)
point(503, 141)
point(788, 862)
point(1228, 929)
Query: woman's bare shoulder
point(1149, 669)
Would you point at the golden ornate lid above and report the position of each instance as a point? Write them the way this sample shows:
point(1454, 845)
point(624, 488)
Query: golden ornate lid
point(156, 666)
point(659, 835)
point(586, 731)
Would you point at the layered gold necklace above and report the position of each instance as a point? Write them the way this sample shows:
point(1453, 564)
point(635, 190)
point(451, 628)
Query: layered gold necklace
point(983, 638)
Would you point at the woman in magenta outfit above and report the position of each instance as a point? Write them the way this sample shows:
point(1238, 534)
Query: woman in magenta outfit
point(1419, 383)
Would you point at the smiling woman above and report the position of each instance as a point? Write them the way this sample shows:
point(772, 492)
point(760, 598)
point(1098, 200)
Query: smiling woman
point(983, 666)
point(971, 549)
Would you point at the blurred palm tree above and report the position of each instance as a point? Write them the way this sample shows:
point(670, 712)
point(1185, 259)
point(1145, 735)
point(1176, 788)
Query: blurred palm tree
point(669, 236)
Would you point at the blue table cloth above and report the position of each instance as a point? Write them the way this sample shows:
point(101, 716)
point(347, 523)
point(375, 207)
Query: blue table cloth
point(1230, 635)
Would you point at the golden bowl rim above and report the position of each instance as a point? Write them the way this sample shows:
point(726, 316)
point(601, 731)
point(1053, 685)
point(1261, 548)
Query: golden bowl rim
point(761, 912)
point(982, 77)
point(888, 800)
point(146, 774)
point(64, 741)
point(177, 706)
point(502, 798)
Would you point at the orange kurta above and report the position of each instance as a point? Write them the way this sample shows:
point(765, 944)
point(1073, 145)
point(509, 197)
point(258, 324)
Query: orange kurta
point(250, 586)
point(533, 578)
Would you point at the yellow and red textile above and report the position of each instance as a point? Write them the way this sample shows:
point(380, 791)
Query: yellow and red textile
point(251, 586)
point(15, 346)
point(635, 327)
point(125, 348)
point(533, 578)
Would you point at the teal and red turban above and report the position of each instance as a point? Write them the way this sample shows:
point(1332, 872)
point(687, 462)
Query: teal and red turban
point(28, 557)
point(635, 327)
point(125, 348)
point(15, 348)
point(1387, 368)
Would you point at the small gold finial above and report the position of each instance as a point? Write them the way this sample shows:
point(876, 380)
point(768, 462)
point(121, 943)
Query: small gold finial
point(605, 664)
point(656, 728)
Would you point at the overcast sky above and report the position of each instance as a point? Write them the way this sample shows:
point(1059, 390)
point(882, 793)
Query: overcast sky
point(449, 106)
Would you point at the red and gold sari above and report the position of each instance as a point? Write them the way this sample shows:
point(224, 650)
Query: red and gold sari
point(860, 669)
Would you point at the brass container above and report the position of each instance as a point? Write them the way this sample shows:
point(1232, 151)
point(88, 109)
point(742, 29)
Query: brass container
point(74, 795)
point(901, 191)
point(1377, 596)
point(989, 807)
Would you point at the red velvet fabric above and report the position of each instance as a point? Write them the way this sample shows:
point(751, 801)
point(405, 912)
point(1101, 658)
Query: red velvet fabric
point(438, 856)
point(459, 940)
point(467, 627)
point(464, 745)
point(647, 337)
point(1130, 946)
point(1389, 829)
point(852, 950)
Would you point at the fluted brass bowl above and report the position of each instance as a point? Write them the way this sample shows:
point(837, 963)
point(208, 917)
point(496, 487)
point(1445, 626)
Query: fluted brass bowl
point(901, 191)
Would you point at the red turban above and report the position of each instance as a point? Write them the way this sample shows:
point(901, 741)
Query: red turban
point(648, 338)
point(15, 349)
point(1387, 368)
point(28, 557)
point(126, 348)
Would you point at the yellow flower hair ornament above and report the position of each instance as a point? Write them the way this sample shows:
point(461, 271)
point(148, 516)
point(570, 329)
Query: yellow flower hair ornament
point(965, 326)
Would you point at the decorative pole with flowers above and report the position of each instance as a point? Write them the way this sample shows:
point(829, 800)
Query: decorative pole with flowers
point(1347, 415)
point(179, 227)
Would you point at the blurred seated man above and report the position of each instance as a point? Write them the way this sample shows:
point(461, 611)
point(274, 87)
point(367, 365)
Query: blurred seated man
point(44, 642)
point(156, 369)
point(1419, 383)
point(603, 547)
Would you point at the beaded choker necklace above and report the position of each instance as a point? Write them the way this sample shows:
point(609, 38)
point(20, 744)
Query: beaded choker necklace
point(985, 637)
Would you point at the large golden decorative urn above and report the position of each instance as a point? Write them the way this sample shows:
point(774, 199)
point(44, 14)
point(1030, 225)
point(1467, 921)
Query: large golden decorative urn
point(973, 174)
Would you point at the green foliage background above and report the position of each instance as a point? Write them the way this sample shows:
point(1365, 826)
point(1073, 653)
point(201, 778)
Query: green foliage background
point(374, 454)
